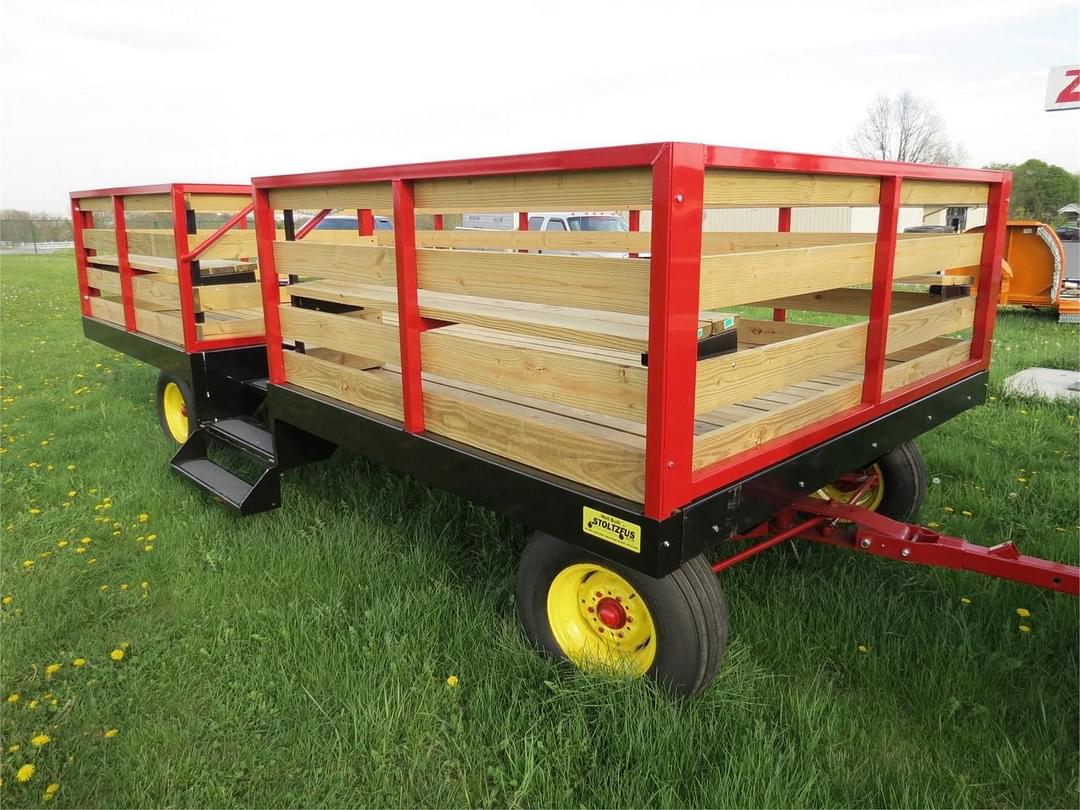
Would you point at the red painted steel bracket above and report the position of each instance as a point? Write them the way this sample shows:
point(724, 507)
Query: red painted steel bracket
point(840, 524)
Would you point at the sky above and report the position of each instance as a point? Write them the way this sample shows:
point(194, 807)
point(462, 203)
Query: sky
point(116, 93)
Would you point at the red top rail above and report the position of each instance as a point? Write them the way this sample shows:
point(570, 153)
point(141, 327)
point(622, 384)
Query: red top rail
point(164, 188)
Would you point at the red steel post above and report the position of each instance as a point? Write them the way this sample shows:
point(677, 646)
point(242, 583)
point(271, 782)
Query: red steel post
point(410, 324)
point(123, 262)
point(989, 281)
point(265, 236)
point(365, 221)
point(635, 226)
point(437, 222)
point(877, 329)
point(183, 267)
point(678, 177)
point(80, 220)
point(783, 225)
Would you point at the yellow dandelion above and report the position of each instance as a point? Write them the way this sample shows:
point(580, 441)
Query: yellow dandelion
point(1023, 613)
point(112, 732)
point(144, 517)
point(91, 561)
point(72, 493)
point(949, 509)
point(32, 705)
point(40, 740)
point(1023, 412)
point(62, 544)
point(13, 748)
point(452, 681)
point(148, 548)
point(13, 697)
point(144, 584)
point(1025, 629)
point(7, 600)
point(1059, 529)
point(25, 772)
point(117, 654)
point(103, 587)
point(86, 540)
point(34, 510)
point(863, 648)
point(51, 789)
point(151, 537)
point(964, 600)
point(28, 564)
point(71, 467)
point(80, 550)
point(933, 525)
point(51, 670)
point(79, 662)
point(966, 513)
point(123, 586)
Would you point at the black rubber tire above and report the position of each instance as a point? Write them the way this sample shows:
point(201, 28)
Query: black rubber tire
point(164, 378)
point(687, 607)
point(904, 471)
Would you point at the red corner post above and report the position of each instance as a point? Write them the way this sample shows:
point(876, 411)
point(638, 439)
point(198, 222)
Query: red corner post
point(783, 225)
point(365, 222)
point(183, 267)
point(409, 323)
point(265, 236)
point(989, 281)
point(877, 330)
point(678, 177)
point(123, 262)
point(80, 220)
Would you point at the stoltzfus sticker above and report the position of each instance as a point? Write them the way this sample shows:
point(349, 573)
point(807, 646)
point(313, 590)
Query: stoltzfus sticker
point(615, 530)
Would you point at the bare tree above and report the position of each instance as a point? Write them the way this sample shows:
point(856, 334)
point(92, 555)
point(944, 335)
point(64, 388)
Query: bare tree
point(905, 128)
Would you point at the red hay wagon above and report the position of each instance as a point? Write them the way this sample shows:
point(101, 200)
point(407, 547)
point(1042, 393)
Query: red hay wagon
point(610, 386)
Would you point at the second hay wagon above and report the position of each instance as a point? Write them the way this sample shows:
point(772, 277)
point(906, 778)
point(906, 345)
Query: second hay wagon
point(588, 396)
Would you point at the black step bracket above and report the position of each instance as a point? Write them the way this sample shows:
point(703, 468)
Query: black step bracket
point(192, 463)
point(713, 346)
point(246, 435)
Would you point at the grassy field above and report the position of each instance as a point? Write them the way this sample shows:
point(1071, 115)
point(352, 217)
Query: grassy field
point(300, 658)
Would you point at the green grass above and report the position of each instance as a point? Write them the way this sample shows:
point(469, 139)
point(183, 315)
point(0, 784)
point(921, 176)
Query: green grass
point(299, 658)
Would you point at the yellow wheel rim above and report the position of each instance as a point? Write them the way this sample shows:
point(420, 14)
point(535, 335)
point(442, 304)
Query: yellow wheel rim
point(600, 621)
point(175, 410)
point(846, 489)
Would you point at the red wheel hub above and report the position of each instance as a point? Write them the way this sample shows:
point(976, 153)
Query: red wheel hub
point(611, 613)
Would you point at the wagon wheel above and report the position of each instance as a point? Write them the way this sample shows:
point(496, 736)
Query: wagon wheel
point(601, 616)
point(174, 404)
point(894, 485)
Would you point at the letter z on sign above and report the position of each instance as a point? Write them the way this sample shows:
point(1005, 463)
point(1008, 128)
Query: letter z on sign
point(1063, 88)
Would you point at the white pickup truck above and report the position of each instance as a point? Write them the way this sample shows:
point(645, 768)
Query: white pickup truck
point(553, 221)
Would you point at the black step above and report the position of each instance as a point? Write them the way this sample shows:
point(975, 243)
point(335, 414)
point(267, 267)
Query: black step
point(245, 434)
point(259, 384)
point(216, 480)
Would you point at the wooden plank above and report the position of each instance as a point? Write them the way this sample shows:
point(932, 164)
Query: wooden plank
point(148, 202)
point(152, 242)
point(613, 189)
point(597, 456)
point(743, 278)
point(104, 280)
point(589, 383)
point(931, 363)
point(369, 339)
point(740, 376)
point(619, 285)
point(919, 256)
point(233, 245)
point(749, 433)
point(356, 263)
point(938, 279)
point(849, 301)
point(218, 203)
point(96, 204)
point(154, 290)
point(316, 198)
point(228, 296)
point(477, 239)
point(748, 242)
point(237, 327)
point(161, 267)
point(160, 325)
point(106, 310)
point(754, 189)
point(100, 239)
point(377, 390)
point(761, 332)
point(938, 192)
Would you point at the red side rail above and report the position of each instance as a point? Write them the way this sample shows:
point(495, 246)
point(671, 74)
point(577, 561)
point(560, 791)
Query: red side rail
point(185, 253)
point(678, 173)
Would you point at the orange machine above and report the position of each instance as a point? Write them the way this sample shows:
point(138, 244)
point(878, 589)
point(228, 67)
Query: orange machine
point(1034, 270)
